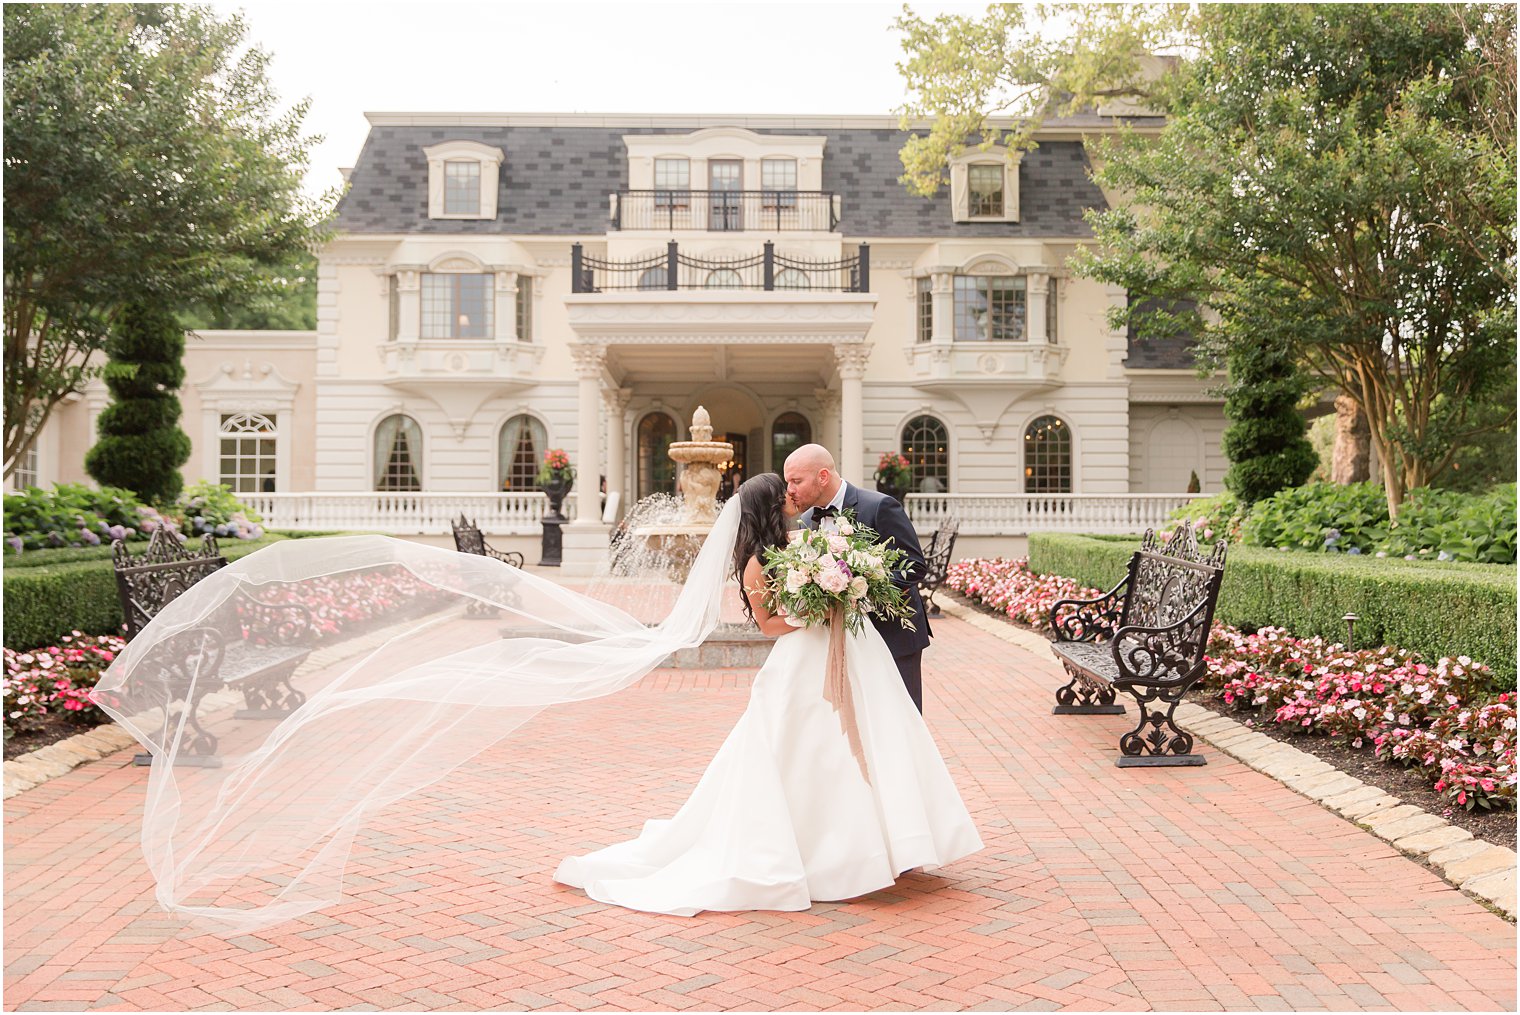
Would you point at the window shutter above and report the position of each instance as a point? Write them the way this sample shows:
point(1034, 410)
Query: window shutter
point(960, 193)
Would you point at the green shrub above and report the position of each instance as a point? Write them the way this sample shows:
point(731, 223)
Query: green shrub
point(1435, 609)
point(1320, 517)
point(46, 602)
point(1212, 517)
point(141, 446)
point(213, 508)
point(1437, 524)
point(1264, 440)
point(71, 514)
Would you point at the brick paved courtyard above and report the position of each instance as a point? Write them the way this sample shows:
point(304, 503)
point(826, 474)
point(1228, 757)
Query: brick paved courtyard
point(1202, 888)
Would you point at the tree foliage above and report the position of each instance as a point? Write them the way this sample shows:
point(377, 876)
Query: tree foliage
point(141, 446)
point(146, 159)
point(287, 303)
point(1332, 180)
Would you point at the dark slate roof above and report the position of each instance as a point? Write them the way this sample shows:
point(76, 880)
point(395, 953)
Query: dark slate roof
point(1160, 353)
point(555, 181)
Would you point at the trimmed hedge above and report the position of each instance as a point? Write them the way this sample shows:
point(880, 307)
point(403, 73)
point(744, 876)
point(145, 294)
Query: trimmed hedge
point(80, 554)
point(47, 601)
point(1435, 609)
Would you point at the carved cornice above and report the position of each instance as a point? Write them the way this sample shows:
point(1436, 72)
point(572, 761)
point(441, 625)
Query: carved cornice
point(852, 360)
point(589, 359)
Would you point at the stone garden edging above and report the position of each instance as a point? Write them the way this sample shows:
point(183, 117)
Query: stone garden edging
point(1481, 869)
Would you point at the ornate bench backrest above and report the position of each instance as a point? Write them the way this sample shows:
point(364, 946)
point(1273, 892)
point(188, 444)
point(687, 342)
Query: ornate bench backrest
point(467, 537)
point(937, 557)
point(147, 582)
point(1170, 584)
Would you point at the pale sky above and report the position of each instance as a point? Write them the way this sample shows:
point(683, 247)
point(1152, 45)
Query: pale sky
point(713, 57)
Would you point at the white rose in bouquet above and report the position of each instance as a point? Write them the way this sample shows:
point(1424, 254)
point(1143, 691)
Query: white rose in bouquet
point(795, 580)
point(843, 527)
point(858, 587)
point(838, 545)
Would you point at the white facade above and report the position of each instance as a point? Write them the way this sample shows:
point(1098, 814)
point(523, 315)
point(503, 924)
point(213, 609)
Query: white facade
point(424, 321)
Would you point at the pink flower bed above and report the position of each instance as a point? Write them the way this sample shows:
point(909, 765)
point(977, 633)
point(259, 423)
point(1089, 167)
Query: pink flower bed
point(56, 679)
point(1441, 718)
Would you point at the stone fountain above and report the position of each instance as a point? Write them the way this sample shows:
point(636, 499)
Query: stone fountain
point(676, 544)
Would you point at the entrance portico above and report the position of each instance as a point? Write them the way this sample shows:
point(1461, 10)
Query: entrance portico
point(754, 356)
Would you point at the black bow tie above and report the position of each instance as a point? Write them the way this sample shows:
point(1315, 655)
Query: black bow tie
point(825, 512)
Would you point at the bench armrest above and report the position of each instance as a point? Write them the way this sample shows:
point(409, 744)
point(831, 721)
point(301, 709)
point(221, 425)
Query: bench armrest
point(1163, 656)
point(505, 556)
point(1088, 619)
point(276, 623)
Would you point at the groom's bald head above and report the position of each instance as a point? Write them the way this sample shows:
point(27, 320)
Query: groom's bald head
point(811, 478)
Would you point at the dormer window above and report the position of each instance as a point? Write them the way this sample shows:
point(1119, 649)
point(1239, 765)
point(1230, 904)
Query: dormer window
point(461, 188)
point(463, 180)
point(986, 190)
point(778, 181)
point(984, 186)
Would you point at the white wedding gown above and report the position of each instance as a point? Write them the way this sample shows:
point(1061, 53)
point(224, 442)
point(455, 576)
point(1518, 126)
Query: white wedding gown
point(783, 816)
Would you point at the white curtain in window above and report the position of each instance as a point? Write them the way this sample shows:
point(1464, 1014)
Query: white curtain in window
point(523, 439)
point(386, 442)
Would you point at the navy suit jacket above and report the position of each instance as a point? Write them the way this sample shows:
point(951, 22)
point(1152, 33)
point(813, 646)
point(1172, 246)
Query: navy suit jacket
point(887, 517)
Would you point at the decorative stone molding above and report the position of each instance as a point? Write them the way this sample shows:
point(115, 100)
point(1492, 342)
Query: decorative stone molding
point(852, 360)
point(590, 360)
point(727, 317)
point(1030, 365)
point(247, 387)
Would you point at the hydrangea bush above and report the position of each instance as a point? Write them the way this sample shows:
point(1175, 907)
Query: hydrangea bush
point(1443, 718)
point(74, 515)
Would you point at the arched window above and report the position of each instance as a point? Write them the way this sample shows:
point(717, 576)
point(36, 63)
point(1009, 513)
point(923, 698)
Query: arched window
point(926, 444)
point(398, 453)
point(1047, 456)
point(248, 455)
point(653, 278)
point(523, 440)
point(724, 278)
point(792, 278)
point(790, 431)
point(657, 473)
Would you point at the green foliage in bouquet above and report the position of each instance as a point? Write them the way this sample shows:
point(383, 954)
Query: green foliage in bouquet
point(848, 571)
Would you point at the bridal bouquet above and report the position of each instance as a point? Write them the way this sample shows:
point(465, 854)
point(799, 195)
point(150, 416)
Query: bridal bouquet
point(847, 570)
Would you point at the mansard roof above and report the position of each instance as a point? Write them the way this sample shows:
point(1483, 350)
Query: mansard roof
point(559, 171)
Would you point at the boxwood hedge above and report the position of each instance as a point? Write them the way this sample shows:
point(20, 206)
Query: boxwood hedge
point(1436, 609)
point(48, 600)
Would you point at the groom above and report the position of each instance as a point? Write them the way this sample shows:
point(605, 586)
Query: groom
point(816, 489)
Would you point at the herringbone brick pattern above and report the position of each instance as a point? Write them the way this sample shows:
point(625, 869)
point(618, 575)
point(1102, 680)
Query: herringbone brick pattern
point(1184, 889)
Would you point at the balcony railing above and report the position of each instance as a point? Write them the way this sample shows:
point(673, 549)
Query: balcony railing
point(1020, 514)
point(726, 211)
point(504, 514)
point(767, 271)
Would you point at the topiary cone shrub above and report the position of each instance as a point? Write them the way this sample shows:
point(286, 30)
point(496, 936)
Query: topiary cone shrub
point(141, 446)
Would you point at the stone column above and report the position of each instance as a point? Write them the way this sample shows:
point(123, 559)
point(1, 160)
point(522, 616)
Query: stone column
point(942, 302)
point(615, 401)
point(1035, 310)
point(586, 537)
point(828, 420)
point(408, 283)
point(851, 360)
point(505, 307)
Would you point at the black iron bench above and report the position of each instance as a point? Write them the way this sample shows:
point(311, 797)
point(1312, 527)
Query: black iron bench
point(256, 653)
point(937, 562)
point(467, 539)
point(1145, 636)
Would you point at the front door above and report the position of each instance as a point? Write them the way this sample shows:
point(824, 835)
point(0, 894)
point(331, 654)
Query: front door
point(725, 179)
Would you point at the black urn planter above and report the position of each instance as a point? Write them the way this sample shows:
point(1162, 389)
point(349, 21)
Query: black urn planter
point(552, 546)
point(894, 490)
point(556, 490)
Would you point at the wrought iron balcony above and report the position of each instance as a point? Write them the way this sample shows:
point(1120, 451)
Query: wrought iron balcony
point(726, 211)
point(767, 271)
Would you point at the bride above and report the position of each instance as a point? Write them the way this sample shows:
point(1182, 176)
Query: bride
point(784, 815)
point(290, 697)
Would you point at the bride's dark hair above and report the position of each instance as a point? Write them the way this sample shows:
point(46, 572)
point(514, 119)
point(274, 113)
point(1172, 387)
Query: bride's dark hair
point(762, 523)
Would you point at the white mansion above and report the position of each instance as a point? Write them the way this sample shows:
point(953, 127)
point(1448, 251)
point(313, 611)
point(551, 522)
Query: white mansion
point(501, 284)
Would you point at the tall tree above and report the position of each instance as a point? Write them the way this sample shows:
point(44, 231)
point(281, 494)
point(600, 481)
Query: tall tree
point(1334, 180)
point(290, 304)
point(146, 159)
point(141, 446)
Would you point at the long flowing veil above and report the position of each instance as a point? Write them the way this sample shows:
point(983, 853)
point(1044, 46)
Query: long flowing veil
point(291, 695)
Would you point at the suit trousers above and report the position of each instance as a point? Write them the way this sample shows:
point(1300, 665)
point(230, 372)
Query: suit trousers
point(911, 666)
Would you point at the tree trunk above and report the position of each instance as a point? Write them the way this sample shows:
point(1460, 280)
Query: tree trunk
point(1350, 461)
